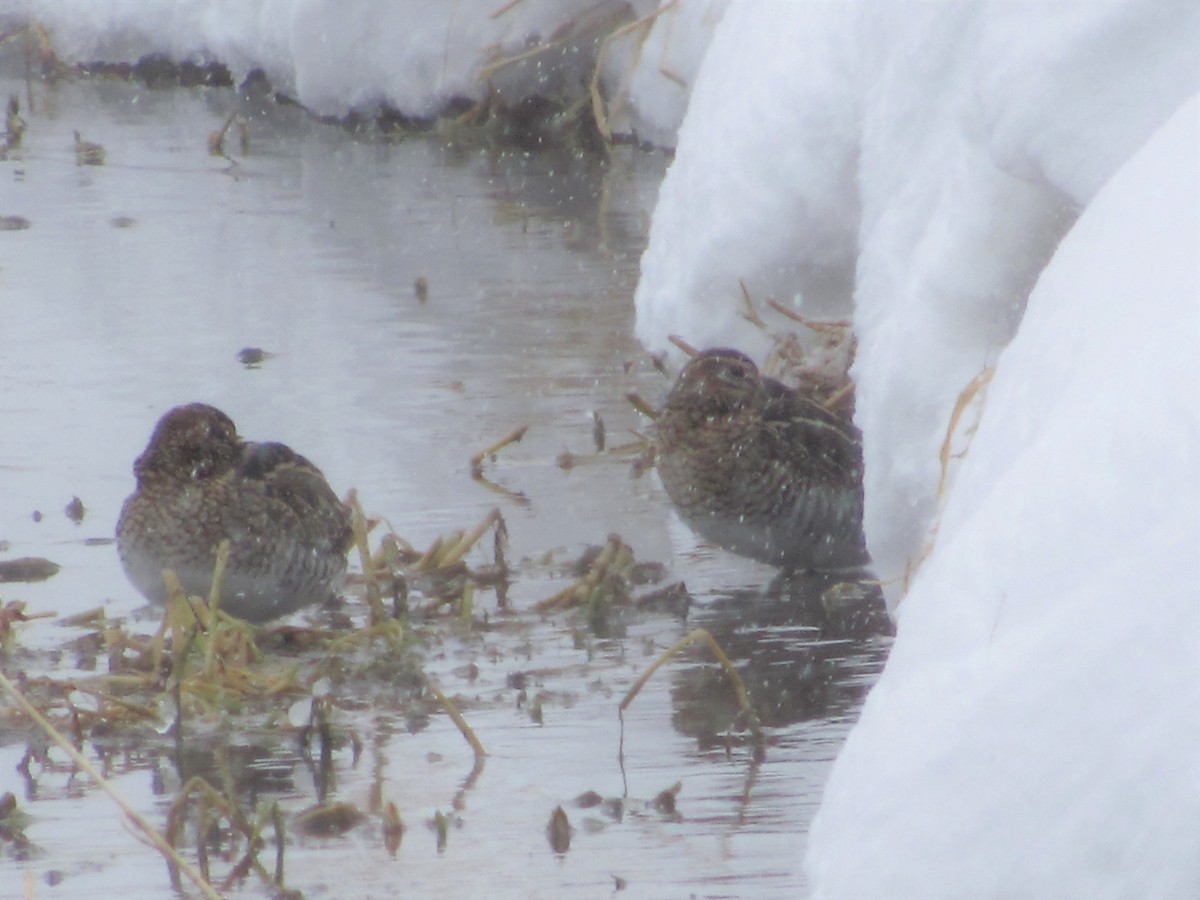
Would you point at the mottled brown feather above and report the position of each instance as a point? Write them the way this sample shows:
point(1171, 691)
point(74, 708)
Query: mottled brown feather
point(760, 469)
point(198, 483)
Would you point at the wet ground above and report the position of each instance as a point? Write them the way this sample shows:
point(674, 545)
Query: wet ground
point(129, 287)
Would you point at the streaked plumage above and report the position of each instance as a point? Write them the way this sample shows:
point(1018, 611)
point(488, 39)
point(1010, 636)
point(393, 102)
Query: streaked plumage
point(88, 153)
point(760, 469)
point(198, 482)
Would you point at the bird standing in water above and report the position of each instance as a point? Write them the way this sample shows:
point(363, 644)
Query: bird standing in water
point(88, 153)
point(199, 483)
point(759, 468)
point(14, 125)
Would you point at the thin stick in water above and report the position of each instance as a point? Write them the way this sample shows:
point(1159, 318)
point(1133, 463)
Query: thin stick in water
point(151, 833)
point(512, 437)
point(739, 686)
point(457, 718)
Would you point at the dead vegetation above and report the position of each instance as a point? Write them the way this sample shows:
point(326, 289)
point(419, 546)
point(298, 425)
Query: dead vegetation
point(201, 669)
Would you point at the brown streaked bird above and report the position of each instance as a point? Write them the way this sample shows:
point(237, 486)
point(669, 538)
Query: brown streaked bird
point(88, 153)
point(14, 125)
point(761, 469)
point(198, 483)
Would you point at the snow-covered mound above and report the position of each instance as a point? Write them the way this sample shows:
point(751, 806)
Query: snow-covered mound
point(1037, 730)
point(914, 163)
point(416, 56)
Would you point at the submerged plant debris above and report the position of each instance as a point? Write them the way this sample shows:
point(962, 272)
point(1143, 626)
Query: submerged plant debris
point(201, 673)
point(27, 568)
point(202, 670)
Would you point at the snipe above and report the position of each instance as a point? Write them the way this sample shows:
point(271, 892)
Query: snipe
point(198, 483)
point(88, 153)
point(760, 469)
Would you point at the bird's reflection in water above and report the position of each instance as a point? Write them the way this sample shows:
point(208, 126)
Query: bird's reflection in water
point(251, 770)
point(807, 647)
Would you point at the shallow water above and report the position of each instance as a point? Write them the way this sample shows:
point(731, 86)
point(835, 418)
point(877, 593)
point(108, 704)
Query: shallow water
point(133, 289)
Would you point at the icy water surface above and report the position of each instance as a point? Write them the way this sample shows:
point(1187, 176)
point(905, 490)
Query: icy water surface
point(134, 287)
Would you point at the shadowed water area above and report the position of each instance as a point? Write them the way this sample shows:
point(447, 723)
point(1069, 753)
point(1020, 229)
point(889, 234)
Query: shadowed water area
point(129, 287)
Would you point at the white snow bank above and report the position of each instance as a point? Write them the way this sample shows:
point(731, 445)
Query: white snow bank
point(1036, 732)
point(413, 56)
point(920, 159)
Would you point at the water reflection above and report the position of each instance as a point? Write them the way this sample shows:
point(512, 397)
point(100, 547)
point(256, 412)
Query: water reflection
point(309, 249)
point(801, 658)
